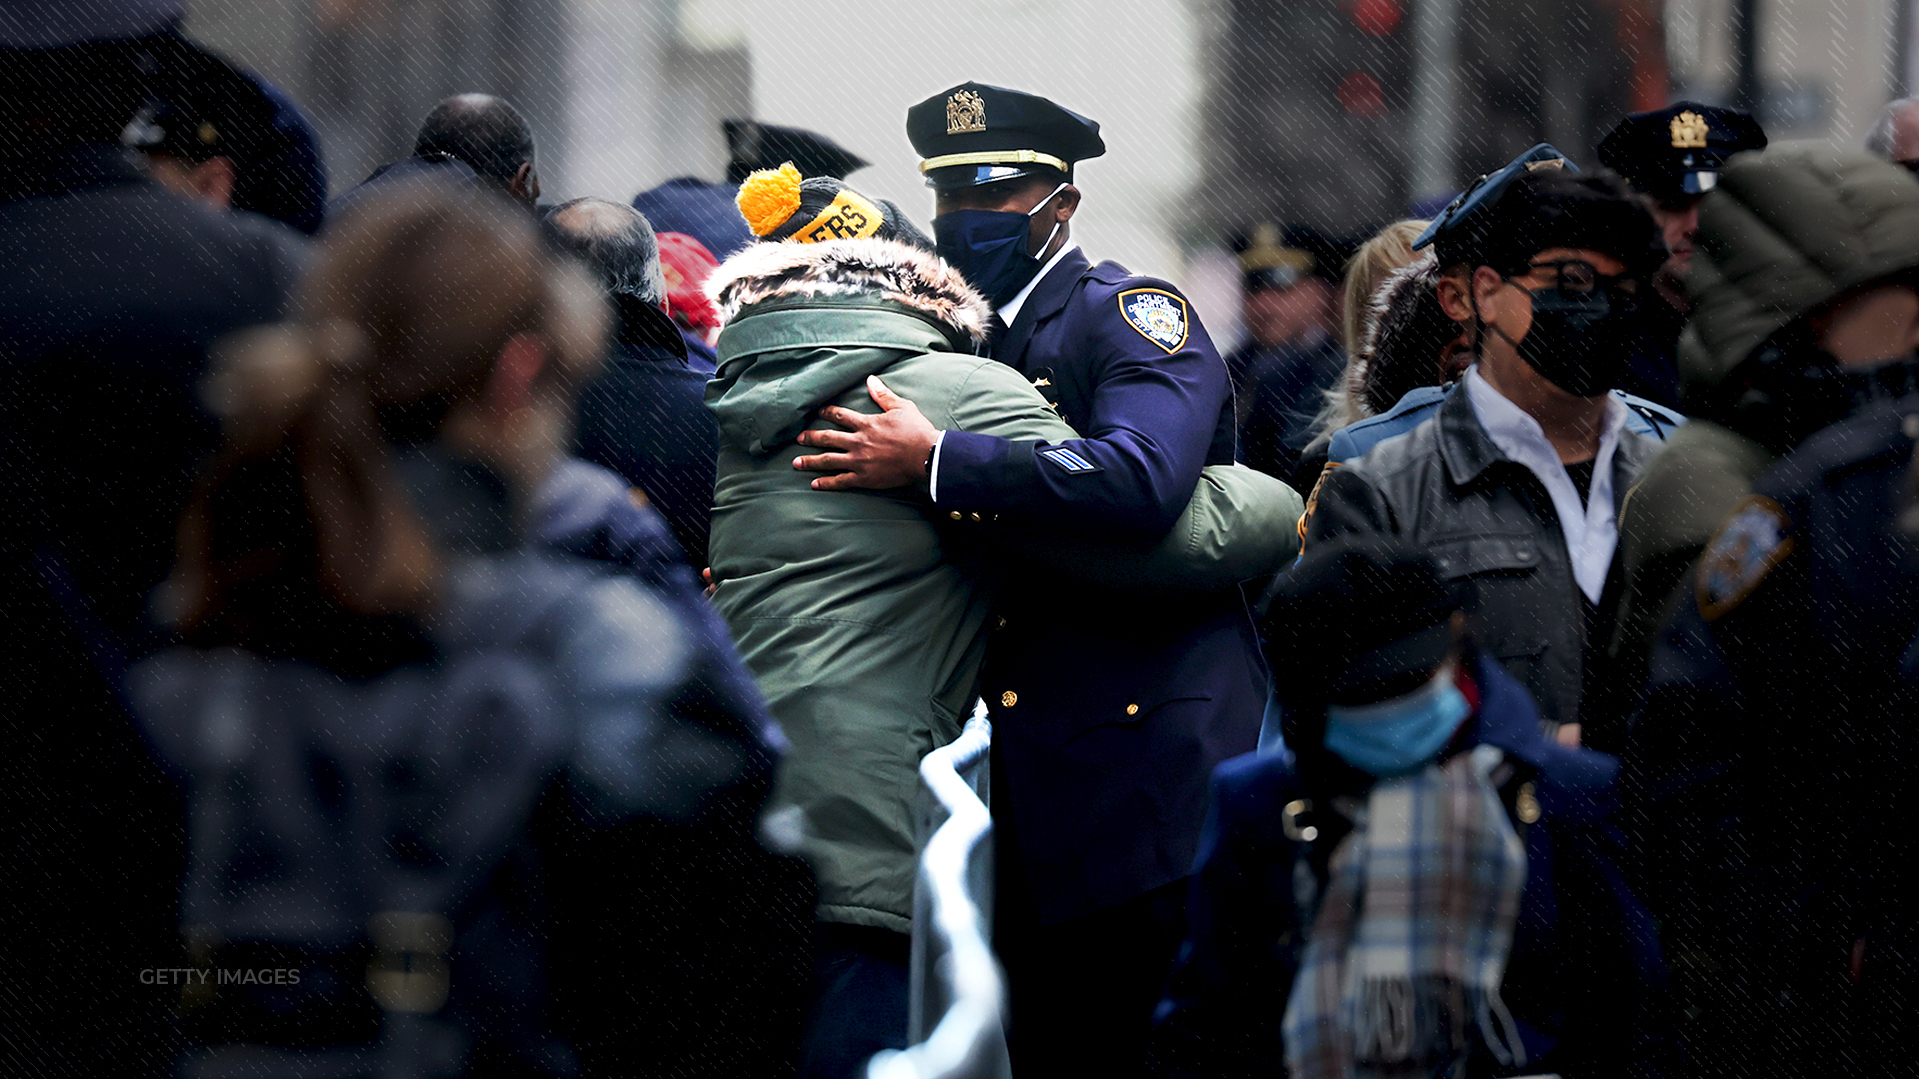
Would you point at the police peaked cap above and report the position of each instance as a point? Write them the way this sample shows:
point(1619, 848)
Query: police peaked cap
point(751, 145)
point(977, 134)
point(1678, 150)
point(1468, 211)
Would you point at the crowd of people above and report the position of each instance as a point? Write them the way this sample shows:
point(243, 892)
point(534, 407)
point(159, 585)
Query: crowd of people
point(453, 633)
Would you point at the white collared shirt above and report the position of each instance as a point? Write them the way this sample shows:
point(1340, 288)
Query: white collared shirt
point(1006, 315)
point(1011, 311)
point(1591, 530)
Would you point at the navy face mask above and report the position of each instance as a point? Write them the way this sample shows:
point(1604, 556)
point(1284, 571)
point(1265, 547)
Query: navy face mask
point(988, 248)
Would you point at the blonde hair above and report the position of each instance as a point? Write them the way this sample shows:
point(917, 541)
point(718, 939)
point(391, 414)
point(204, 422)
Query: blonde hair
point(1377, 258)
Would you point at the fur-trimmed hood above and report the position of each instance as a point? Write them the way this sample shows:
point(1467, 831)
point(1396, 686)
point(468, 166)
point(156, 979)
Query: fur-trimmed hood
point(864, 307)
point(883, 269)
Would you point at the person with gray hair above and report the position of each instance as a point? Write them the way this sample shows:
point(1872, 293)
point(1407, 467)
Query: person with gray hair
point(1896, 136)
point(644, 416)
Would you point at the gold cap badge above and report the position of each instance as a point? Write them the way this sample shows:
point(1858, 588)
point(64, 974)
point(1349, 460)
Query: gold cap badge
point(965, 112)
point(1689, 131)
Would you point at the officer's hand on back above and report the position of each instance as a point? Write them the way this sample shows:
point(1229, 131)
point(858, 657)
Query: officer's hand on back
point(891, 449)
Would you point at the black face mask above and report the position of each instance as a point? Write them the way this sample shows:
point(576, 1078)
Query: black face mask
point(1584, 332)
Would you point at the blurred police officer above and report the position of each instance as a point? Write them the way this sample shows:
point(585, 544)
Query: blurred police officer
point(1806, 305)
point(1775, 765)
point(111, 291)
point(1290, 287)
point(231, 139)
point(1109, 709)
point(1672, 156)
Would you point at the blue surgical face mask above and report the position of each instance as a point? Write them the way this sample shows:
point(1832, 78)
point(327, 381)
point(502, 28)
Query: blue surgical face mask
point(988, 248)
point(1399, 736)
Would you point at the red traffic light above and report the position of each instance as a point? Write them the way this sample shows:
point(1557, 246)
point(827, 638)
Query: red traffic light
point(1361, 94)
point(1377, 18)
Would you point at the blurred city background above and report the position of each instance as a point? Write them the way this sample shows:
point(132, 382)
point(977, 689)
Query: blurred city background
point(1340, 114)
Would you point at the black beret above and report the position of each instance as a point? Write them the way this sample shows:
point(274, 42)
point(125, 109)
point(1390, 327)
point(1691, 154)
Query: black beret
point(1467, 211)
point(751, 146)
point(977, 134)
point(1354, 613)
point(1678, 150)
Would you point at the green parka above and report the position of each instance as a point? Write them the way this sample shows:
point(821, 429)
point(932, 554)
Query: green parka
point(863, 614)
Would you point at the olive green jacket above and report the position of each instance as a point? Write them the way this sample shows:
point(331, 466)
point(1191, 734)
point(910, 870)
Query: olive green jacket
point(863, 614)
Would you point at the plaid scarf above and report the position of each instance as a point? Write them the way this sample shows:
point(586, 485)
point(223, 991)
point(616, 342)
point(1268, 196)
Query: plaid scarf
point(1410, 942)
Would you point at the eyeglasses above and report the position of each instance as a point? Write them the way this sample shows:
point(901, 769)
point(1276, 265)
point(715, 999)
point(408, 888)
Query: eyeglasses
point(1576, 278)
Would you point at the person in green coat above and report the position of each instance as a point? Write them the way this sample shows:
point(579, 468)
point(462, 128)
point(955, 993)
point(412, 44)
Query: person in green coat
point(864, 614)
point(1803, 284)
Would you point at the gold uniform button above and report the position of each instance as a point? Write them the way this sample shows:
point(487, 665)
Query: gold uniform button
point(956, 515)
point(1008, 699)
point(1132, 709)
point(975, 516)
point(1526, 806)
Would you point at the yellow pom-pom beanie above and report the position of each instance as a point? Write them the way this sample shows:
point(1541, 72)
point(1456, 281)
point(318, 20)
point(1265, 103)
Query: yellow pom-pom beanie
point(769, 198)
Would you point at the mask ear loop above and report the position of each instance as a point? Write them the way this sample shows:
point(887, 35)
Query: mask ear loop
point(1042, 206)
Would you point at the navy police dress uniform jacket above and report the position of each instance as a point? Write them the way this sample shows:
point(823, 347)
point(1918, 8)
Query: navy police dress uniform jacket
point(1772, 768)
point(1110, 708)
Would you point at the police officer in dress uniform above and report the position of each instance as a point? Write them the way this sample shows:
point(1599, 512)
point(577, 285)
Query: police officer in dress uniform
point(1672, 156)
point(1110, 709)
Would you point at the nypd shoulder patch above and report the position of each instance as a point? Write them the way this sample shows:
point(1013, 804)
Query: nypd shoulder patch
point(1756, 537)
point(1158, 315)
point(1072, 462)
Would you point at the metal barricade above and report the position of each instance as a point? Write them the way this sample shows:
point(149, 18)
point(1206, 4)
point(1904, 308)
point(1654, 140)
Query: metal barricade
point(958, 993)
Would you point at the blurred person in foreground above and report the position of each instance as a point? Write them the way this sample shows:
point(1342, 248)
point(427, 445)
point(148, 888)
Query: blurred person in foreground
point(229, 138)
point(866, 613)
point(1780, 601)
point(1805, 308)
point(644, 415)
point(1427, 884)
point(112, 289)
point(1775, 766)
point(1290, 286)
point(1109, 709)
point(1517, 480)
point(1672, 157)
point(418, 744)
point(1410, 331)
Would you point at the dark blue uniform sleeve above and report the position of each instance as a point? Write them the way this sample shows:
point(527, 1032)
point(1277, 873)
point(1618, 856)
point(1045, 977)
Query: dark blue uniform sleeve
point(1222, 1010)
point(1154, 411)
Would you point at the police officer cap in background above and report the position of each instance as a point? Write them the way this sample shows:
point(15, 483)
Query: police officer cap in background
point(1675, 153)
point(205, 108)
point(977, 134)
point(752, 146)
point(1279, 258)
